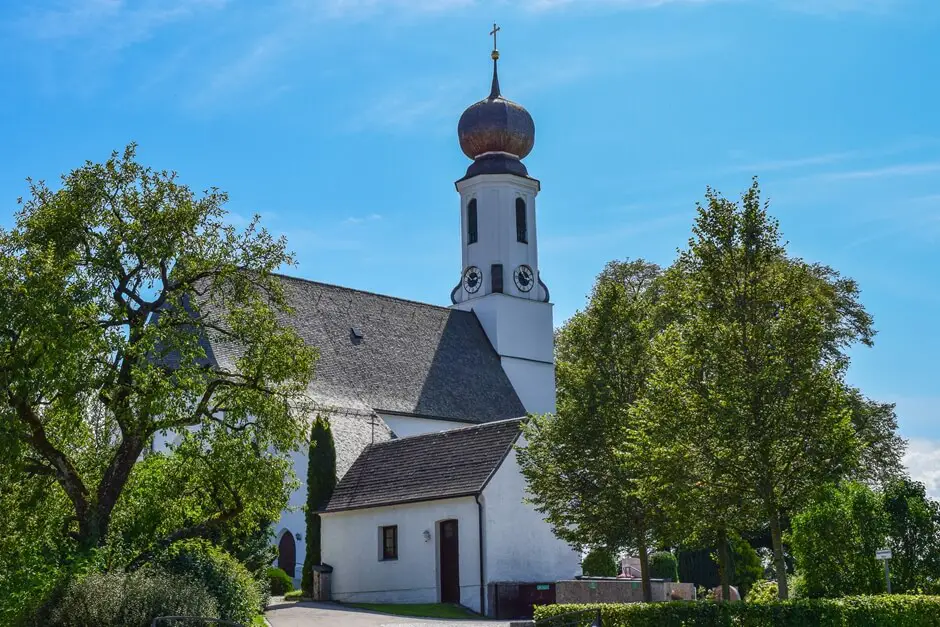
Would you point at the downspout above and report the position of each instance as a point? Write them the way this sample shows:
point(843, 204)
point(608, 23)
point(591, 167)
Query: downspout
point(482, 578)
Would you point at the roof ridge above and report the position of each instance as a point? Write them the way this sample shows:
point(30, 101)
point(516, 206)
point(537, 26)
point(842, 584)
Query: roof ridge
point(432, 434)
point(353, 289)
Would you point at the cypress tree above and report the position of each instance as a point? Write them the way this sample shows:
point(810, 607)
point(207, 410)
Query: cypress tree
point(321, 479)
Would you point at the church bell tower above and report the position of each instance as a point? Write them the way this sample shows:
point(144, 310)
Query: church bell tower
point(500, 280)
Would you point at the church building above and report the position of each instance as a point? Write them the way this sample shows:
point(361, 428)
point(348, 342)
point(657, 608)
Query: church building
point(426, 402)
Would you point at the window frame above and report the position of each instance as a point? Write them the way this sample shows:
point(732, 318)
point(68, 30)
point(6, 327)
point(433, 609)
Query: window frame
point(384, 554)
point(522, 220)
point(473, 231)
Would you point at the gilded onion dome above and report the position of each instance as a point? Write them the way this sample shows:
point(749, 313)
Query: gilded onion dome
point(496, 125)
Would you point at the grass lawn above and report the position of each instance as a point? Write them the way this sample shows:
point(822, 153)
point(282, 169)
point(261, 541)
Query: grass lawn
point(418, 610)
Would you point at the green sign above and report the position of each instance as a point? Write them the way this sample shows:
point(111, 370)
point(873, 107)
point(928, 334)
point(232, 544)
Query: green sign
point(543, 586)
point(592, 585)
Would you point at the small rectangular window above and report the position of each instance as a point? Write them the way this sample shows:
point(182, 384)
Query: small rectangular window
point(472, 221)
point(522, 229)
point(390, 542)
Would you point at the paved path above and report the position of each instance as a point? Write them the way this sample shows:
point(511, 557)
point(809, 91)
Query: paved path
point(289, 614)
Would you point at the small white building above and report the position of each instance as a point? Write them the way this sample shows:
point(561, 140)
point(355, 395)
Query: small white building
point(436, 518)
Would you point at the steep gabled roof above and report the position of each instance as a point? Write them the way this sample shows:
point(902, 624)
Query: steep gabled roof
point(425, 467)
point(397, 356)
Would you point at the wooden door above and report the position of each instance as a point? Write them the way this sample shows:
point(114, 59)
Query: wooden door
point(287, 553)
point(450, 562)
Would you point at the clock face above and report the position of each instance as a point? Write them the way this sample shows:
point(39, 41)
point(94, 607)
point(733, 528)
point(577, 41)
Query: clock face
point(472, 279)
point(524, 278)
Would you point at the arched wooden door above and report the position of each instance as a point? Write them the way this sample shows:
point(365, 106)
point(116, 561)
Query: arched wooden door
point(287, 553)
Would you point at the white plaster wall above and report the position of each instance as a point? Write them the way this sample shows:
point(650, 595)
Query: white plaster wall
point(534, 383)
point(351, 545)
point(519, 545)
point(404, 426)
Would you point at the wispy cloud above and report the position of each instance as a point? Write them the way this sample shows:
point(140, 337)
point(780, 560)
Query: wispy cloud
point(372, 217)
point(923, 462)
point(794, 163)
point(112, 24)
point(890, 171)
point(817, 7)
point(431, 103)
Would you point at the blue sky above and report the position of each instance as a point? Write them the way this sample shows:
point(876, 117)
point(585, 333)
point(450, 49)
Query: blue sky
point(335, 120)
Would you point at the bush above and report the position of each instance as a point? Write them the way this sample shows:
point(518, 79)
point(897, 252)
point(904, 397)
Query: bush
point(880, 611)
point(600, 562)
point(762, 591)
point(129, 600)
point(746, 567)
point(279, 581)
point(664, 565)
point(240, 596)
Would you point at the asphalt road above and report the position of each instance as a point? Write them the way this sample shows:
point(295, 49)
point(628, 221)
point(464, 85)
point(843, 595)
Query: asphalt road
point(283, 614)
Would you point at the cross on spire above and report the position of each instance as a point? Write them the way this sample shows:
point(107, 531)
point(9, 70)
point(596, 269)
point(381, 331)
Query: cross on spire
point(493, 32)
point(494, 92)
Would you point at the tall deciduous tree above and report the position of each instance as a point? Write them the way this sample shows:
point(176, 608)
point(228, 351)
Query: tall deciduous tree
point(574, 462)
point(109, 287)
point(914, 536)
point(754, 365)
point(321, 480)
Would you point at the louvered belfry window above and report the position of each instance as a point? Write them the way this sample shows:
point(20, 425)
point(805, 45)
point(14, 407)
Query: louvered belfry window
point(472, 221)
point(522, 231)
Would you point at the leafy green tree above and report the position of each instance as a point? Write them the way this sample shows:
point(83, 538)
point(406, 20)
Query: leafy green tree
point(600, 562)
point(575, 463)
point(109, 287)
point(747, 411)
point(746, 565)
point(834, 541)
point(876, 425)
point(914, 536)
point(321, 480)
point(664, 565)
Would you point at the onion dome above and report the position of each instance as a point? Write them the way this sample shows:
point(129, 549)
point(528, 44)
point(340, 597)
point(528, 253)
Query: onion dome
point(496, 129)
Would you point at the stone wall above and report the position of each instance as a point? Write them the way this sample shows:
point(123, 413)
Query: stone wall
point(610, 590)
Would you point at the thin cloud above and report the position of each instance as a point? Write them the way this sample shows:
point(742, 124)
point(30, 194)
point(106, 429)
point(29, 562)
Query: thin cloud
point(112, 24)
point(891, 171)
point(794, 163)
point(372, 217)
point(923, 463)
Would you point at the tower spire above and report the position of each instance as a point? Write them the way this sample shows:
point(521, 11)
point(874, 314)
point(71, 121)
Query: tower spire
point(494, 91)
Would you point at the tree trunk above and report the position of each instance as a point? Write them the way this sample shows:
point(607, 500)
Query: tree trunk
point(724, 565)
point(780, 565)
point(645, 569)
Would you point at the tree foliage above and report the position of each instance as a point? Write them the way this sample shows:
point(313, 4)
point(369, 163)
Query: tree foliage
point(746, 413)
point(834, 541)
point(574, 461)
point(914, 536)
point(600, 562)
point(109, 288)
point(321, 480)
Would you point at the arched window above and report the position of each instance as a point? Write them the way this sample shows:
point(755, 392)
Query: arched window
point(472, 221)
point(522, 232)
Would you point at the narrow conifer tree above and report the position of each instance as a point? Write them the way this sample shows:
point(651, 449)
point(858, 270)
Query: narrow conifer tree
point(321, 479)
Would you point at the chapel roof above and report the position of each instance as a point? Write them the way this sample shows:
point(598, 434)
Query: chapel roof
point(396, 356)
point(427, 467)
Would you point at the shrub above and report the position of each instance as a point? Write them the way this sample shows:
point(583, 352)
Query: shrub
point(129, 600)
point(239, 596)
point(279, 581)
point(600, 562)
point(880, 611)
point(762, 591)
point(664, 565)
point(746, 567)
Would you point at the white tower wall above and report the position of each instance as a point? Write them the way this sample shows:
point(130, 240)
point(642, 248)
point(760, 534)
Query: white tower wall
point(518, 323)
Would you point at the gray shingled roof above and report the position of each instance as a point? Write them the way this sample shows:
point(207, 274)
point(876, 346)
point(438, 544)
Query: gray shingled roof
point(426, 467)
point(412, 358)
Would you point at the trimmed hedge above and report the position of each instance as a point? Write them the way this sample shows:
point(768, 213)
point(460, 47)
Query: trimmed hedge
point(876, 611)
point(279, 582)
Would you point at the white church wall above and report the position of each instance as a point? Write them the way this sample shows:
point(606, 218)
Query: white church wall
point(534, 383)
point(404, 426)
point(350, 543)
point(519, 545)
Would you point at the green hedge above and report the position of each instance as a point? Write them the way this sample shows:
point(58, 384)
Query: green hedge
point(878, 611)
